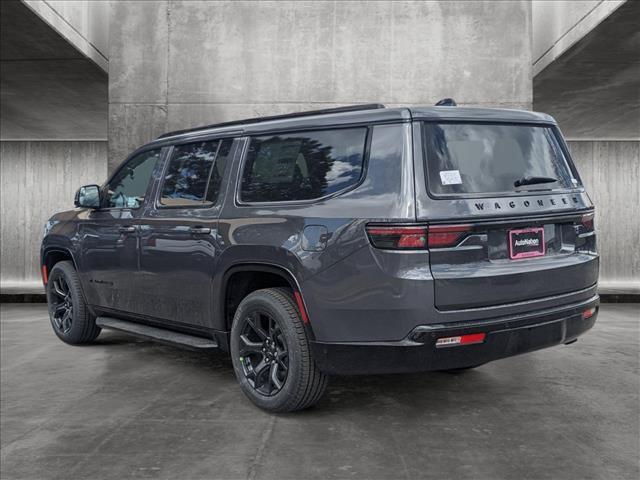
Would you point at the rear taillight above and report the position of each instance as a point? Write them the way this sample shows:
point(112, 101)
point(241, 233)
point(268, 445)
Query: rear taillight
point(587, 221)
point(398, 237)
point(447, 235)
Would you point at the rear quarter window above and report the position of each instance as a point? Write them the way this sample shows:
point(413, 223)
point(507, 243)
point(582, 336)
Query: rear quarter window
point(479, 158)
point(302, 165)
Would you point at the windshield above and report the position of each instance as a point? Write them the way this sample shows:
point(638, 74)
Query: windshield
point(481, 158)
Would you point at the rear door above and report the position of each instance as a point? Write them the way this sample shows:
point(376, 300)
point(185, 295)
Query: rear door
point(178, 235)
point(508, 218)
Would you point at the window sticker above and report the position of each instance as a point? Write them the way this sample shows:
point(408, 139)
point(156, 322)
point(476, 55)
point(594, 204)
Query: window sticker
point(450, 177)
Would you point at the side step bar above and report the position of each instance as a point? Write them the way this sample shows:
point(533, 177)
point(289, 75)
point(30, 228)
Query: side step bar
point(157, 334)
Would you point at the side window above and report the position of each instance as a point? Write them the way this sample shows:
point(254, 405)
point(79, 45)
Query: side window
point(192, 169)
point(302, 165)
point(129, 186)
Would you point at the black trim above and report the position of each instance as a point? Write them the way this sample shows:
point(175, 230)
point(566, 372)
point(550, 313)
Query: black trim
point(249, 121)
point(418, 352)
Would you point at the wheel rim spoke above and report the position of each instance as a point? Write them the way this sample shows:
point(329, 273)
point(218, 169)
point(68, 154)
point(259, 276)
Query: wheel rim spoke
point(263, 353)
point(273, 376)
point(61, 310)
point(57, 288)
point(247, 346)
point(255, 326)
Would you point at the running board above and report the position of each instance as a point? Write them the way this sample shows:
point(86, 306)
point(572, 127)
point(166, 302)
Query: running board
point(157, 334)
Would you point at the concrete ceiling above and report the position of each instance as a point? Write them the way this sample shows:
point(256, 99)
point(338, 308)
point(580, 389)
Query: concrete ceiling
point(48, 89)
point(593, 89)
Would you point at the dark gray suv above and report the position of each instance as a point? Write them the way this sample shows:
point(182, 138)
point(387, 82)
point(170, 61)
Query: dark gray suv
point(355, 240)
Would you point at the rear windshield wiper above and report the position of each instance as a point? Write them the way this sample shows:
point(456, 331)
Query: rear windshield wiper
point(533, 181)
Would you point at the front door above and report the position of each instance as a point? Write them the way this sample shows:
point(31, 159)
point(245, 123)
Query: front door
point(178, 235)
point(109, 237)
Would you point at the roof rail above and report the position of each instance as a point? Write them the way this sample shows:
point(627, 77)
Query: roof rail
point(349, 108)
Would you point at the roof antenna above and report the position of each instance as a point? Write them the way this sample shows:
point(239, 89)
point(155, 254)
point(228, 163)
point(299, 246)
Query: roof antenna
point(447, 102)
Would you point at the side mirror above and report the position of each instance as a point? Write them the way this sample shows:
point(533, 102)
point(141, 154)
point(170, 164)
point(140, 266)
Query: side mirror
point(88, 197)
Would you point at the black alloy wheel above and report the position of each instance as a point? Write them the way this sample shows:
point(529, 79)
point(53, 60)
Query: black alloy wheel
point(271, 352)
point(61, 305)
point(263, 353)
point(71, 319)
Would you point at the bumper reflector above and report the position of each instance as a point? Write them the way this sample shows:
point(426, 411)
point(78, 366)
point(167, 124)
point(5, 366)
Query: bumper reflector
point(45, 276)
point(460, 340)
point(588, 313)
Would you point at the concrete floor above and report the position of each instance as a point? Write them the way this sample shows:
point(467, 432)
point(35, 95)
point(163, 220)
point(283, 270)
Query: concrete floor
point(125, 408)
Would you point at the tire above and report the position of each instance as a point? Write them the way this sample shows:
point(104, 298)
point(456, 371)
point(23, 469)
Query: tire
point(259, 359)
point(70, 318)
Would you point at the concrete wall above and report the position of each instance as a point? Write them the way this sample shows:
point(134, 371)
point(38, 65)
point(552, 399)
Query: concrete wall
point(610, 171)
point(83, 23)
point(178, 64)
point(38, 179)
point(559, 24)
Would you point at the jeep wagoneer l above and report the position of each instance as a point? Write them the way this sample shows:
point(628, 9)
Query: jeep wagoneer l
point(355, 240)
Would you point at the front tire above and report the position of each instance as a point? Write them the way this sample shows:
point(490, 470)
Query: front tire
point(271, 354)
point(70, 318)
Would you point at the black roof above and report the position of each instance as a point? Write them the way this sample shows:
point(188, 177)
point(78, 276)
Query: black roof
point(354, 114)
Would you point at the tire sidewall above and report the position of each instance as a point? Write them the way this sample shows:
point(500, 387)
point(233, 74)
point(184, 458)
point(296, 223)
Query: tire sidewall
point(264, 302)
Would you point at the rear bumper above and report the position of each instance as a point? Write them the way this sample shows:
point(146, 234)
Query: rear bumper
point(505, 337)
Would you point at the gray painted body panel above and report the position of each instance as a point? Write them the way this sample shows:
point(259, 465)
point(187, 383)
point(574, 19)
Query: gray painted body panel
point(353, 292)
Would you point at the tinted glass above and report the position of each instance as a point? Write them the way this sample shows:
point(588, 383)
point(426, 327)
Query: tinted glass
point(491, 158)
point(129, 186)
point(302, 165)
point(187, 175)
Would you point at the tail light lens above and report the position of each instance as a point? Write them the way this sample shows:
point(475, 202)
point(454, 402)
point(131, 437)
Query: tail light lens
point(398, 237)
point(587, 221)
point(447, 235)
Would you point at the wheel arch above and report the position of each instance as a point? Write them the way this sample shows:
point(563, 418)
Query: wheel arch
point(241, 279)
point(55, 254)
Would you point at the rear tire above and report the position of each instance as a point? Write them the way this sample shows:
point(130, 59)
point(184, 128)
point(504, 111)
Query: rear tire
point(70, 318)
point(271, 354)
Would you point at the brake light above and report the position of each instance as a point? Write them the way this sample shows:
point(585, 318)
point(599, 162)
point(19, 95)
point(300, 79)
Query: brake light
point(447, 235)
point(469, 339)
point(587, 221)
point(398, 237)
point(588, 313)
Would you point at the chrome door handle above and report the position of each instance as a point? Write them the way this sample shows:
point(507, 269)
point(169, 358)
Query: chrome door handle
point(199, 229)
point(129, 229)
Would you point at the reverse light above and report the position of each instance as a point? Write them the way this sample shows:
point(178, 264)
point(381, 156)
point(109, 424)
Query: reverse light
point(588, 313)
point(398, 237)
point(587, 221)
point(447, 235)
point(469, 339)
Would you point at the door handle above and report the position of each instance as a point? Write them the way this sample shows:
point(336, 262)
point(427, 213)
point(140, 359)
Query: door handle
point(200, 229)
point(129, 229)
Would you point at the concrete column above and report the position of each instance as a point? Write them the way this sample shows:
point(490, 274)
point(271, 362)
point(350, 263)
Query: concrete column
point(175, 64)
point(610, 171)
point(39, 179)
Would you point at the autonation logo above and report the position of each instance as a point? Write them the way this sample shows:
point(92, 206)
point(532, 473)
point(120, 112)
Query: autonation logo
point(529, 242)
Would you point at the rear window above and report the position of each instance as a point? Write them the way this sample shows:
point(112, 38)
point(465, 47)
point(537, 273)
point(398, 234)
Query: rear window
point(468, 158)
point(302, 165)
